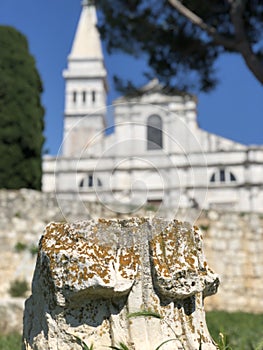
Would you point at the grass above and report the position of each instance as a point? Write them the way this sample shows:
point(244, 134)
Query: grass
point(122, 346)
point(10, 342)
point(241, 331)
point(232, 331)
point(144, 313)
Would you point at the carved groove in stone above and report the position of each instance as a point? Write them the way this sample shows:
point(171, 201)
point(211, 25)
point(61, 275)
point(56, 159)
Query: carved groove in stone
point(92, 276)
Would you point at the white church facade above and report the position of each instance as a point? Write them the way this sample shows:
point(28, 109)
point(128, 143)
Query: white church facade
point(157, 154)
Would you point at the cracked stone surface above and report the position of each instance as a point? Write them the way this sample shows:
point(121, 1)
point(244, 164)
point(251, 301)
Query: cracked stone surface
point(140, 282)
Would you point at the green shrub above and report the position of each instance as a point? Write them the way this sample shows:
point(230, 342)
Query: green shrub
point(18, 215)
point(33, 249)
point(18, 288)
point(20, 247)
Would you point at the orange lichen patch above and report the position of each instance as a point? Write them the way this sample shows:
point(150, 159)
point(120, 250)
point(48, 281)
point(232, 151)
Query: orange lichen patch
point(168, 249)
point(190, 261)
point(176, 254)
point(106, 254)
point(95, 259)
point(128, 262)
point(75, 257)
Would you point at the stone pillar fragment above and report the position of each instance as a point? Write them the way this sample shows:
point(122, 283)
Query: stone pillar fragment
point(138, 282)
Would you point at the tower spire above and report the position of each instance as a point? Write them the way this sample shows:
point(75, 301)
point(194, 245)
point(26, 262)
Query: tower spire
point(87, 44)
point(86, 84)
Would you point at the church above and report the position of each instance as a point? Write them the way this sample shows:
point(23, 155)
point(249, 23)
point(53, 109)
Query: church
point(156, 154)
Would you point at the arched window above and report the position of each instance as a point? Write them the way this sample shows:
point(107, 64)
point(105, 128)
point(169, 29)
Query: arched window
point(213, 178)
point(90, 181)
point(222, 175)
point(232, 177)
point(154, 132)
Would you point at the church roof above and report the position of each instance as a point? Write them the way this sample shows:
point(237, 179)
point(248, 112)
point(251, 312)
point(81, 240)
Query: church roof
point(87, 44)
point(152, 87)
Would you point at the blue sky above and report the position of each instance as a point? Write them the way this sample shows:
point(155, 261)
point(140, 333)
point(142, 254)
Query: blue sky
point(234, 110)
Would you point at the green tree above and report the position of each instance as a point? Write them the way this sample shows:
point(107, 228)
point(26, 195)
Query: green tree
point(21, 114)
point(183, 38)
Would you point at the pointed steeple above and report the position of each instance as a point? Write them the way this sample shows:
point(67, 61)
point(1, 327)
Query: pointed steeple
point(87, 44)
point(85, 84)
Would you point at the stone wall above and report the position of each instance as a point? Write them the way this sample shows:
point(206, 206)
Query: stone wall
point(23, 217)
point(234, 248)
point(233, 244)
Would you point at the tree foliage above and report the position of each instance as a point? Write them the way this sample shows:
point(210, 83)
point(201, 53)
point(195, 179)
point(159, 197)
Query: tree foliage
point(183, 39)
point(21, 114)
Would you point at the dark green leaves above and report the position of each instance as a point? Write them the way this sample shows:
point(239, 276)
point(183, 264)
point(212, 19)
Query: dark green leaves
point(180, 54)
point(21, 114)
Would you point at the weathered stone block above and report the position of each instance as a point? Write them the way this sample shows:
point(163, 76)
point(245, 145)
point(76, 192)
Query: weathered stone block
point(139, 282)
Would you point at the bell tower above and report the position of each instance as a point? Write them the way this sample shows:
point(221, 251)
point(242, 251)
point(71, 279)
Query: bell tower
point(85, 85)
